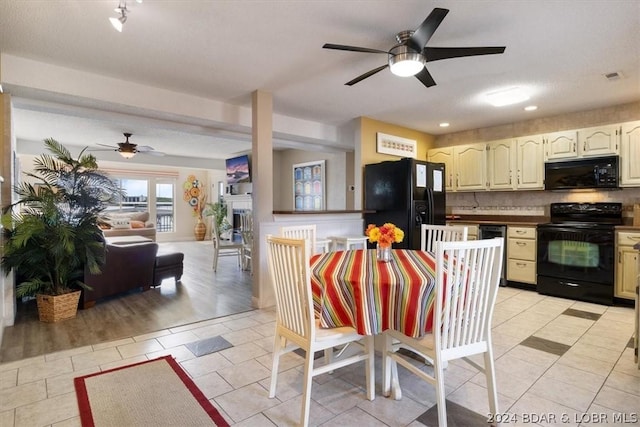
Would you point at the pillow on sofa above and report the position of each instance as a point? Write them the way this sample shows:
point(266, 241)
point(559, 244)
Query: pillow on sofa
point(137, 224)
point(139, 216)
point(120, 223)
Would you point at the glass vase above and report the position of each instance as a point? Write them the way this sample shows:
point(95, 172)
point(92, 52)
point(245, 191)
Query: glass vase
point(383, 253)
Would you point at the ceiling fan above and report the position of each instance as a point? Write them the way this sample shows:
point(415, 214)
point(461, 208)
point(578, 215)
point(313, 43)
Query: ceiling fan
point(409, 56)
point(128, 149)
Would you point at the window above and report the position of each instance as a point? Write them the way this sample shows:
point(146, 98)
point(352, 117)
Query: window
point(165, 205)
point(153, 193)
point(136, 198)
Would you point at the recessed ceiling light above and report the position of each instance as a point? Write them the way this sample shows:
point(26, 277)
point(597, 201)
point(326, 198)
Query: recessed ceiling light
point(444, 125)
point(510, 96)
point(531, 108)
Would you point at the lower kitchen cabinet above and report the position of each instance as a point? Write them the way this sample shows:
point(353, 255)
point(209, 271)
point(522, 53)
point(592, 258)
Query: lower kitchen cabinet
point(521, 254)
point(472, 229)
point(627, 266)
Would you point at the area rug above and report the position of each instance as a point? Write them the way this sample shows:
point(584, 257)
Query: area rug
point(152, 393)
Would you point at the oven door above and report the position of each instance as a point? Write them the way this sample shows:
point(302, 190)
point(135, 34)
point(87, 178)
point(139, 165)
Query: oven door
point(576, 253)
point(576, 262)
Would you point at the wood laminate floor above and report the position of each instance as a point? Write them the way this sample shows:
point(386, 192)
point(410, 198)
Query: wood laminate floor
point(201, 294)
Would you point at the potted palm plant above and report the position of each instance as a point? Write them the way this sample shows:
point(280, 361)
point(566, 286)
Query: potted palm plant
point(218, 211)
point(52, 231)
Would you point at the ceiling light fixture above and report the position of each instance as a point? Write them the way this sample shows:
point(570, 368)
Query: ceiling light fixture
point(531, 108)
point(120, 20)
point(444, 125)
point(127, 154)
point(404, 61)
point(510, 96)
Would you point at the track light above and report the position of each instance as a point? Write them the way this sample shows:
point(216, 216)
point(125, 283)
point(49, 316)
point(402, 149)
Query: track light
point(120, 20)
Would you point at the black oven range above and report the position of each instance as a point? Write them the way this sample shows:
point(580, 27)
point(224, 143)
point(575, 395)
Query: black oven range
point(576, 251)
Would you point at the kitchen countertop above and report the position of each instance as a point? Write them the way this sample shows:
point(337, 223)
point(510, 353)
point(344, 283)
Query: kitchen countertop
point(499, 219)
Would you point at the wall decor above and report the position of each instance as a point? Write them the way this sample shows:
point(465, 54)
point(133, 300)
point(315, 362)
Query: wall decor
point(308, 186)
point(396, 145)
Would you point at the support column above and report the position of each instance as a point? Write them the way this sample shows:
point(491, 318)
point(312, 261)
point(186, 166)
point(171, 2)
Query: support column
point(262, 192)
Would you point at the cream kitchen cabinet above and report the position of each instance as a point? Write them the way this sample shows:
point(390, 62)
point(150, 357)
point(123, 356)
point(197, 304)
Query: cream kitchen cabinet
point(588, 142)
point(470, 164)
point(521, 254)
point(599, 141)
point(444, 155)
point(472, 229)
point(630, 155)
point(561, 145)
point(516, 164)
point(627, 267)
point(530, 162)
point(502, 164)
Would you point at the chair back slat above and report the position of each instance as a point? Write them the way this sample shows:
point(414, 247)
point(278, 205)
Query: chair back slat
point(307, 232)
point(289, 271)
point(441, 233)
point(468, 276)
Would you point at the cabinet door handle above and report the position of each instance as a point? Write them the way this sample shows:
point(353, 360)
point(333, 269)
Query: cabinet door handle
point(521, 264)
point(520, 231)
point(521, 244)
point(574, 147)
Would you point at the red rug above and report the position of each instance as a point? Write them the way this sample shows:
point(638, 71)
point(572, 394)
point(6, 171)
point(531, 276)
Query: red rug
point(150, 393)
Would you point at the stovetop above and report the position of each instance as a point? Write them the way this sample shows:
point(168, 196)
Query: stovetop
point(586, 214)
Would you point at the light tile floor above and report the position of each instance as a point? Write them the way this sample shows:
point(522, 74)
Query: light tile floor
point(585, 376)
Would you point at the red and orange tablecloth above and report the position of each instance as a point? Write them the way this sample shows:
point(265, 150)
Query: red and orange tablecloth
point(351, 288)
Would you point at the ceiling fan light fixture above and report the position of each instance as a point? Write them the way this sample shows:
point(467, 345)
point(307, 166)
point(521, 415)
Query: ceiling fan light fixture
point(509, 96)
point(405, 62)
point(127, 154)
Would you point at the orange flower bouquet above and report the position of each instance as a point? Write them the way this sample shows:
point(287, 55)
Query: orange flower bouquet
point(384, 235)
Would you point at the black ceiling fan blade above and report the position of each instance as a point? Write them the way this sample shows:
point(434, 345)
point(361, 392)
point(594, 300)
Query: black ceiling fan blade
point(352, 48)
point(438, 53)
point(425, 77)
point(365, 75)
point(110, 146)
point(429, 26)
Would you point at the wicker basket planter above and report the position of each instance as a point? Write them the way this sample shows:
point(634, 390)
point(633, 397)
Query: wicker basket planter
point(53, 308)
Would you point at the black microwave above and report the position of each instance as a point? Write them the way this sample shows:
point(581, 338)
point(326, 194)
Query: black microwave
point(598, 172)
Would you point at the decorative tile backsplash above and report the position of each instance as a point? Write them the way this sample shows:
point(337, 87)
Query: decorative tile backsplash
point(533, 203)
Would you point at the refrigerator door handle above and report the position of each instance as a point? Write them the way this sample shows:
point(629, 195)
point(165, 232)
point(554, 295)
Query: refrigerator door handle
point(429, 194)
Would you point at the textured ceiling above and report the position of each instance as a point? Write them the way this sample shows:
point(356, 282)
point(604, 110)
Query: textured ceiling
point(224, 50)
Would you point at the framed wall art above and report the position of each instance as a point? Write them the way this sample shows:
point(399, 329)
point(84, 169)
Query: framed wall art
point(396, 145)
point(309, 186)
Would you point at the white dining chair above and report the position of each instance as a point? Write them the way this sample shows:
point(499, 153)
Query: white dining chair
point(429, 234)
point(224, 247)
point(246, 231)
point(296, 326)
point(306, 232)
point(467, 280)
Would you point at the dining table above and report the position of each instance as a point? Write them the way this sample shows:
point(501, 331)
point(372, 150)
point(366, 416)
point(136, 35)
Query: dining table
point(353, 288)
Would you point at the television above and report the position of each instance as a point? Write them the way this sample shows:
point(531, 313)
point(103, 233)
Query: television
point(238, 170)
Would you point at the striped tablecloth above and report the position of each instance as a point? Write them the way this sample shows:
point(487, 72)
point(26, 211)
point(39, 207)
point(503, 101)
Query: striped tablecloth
point(351, 288)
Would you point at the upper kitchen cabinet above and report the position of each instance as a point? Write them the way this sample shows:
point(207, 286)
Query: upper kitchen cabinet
point(530, 161)
point(444, 155)
point(470, 164)
point(561, 145)
point(516, 164)
point(589, 142)
point(630, 155)
point(599, 141)
point(502, 164)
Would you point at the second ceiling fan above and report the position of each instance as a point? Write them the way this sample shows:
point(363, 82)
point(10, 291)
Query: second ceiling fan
point(128, 149)
point(410, 55)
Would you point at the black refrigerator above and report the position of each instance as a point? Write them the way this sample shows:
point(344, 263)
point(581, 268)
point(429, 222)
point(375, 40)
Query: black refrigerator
point(407, 193)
